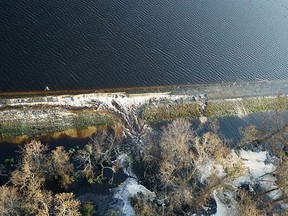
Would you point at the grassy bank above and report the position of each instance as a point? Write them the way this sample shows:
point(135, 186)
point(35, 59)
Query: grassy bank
point(168, 113)
point(17, 130)
point(215, 108)
point(19, 122)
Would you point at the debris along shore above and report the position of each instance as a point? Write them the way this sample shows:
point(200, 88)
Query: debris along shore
point(30, 115)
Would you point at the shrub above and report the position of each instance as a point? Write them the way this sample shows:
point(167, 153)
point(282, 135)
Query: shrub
point(87, 209)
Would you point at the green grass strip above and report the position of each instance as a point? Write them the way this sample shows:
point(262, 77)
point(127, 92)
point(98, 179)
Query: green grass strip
point(215, 108)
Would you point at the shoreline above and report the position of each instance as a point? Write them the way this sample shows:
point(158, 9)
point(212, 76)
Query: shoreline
point(215, 90)
point(23, 117)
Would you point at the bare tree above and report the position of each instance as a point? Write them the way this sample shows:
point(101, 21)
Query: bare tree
point(97, 156)
point(37, 202)
point(65, 204)
point(9, 201)
point(62, 168)
point(175, 152)
point(29, 179)
point(181, 151)
point(35, 154)
point(177, 164)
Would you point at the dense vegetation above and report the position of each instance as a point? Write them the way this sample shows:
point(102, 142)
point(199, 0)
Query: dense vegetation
point(171, 162)
point(175, 165)
point(34, 183)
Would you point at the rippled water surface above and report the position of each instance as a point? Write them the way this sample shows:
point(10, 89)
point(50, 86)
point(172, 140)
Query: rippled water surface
point(95, 44)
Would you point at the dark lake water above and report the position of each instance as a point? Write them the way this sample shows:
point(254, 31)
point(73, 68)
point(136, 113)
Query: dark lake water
point(98, 44)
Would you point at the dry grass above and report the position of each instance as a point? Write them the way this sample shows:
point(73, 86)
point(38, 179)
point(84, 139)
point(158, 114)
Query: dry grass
point(170, 112)
point(214, 108)
point(247, 205)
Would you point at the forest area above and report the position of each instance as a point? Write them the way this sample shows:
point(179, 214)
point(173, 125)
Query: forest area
point(184, 166)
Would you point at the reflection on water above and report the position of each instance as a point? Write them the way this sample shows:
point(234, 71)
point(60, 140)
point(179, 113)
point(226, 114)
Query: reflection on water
point(69, 133)
point(267, 123)
point(73, 133)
